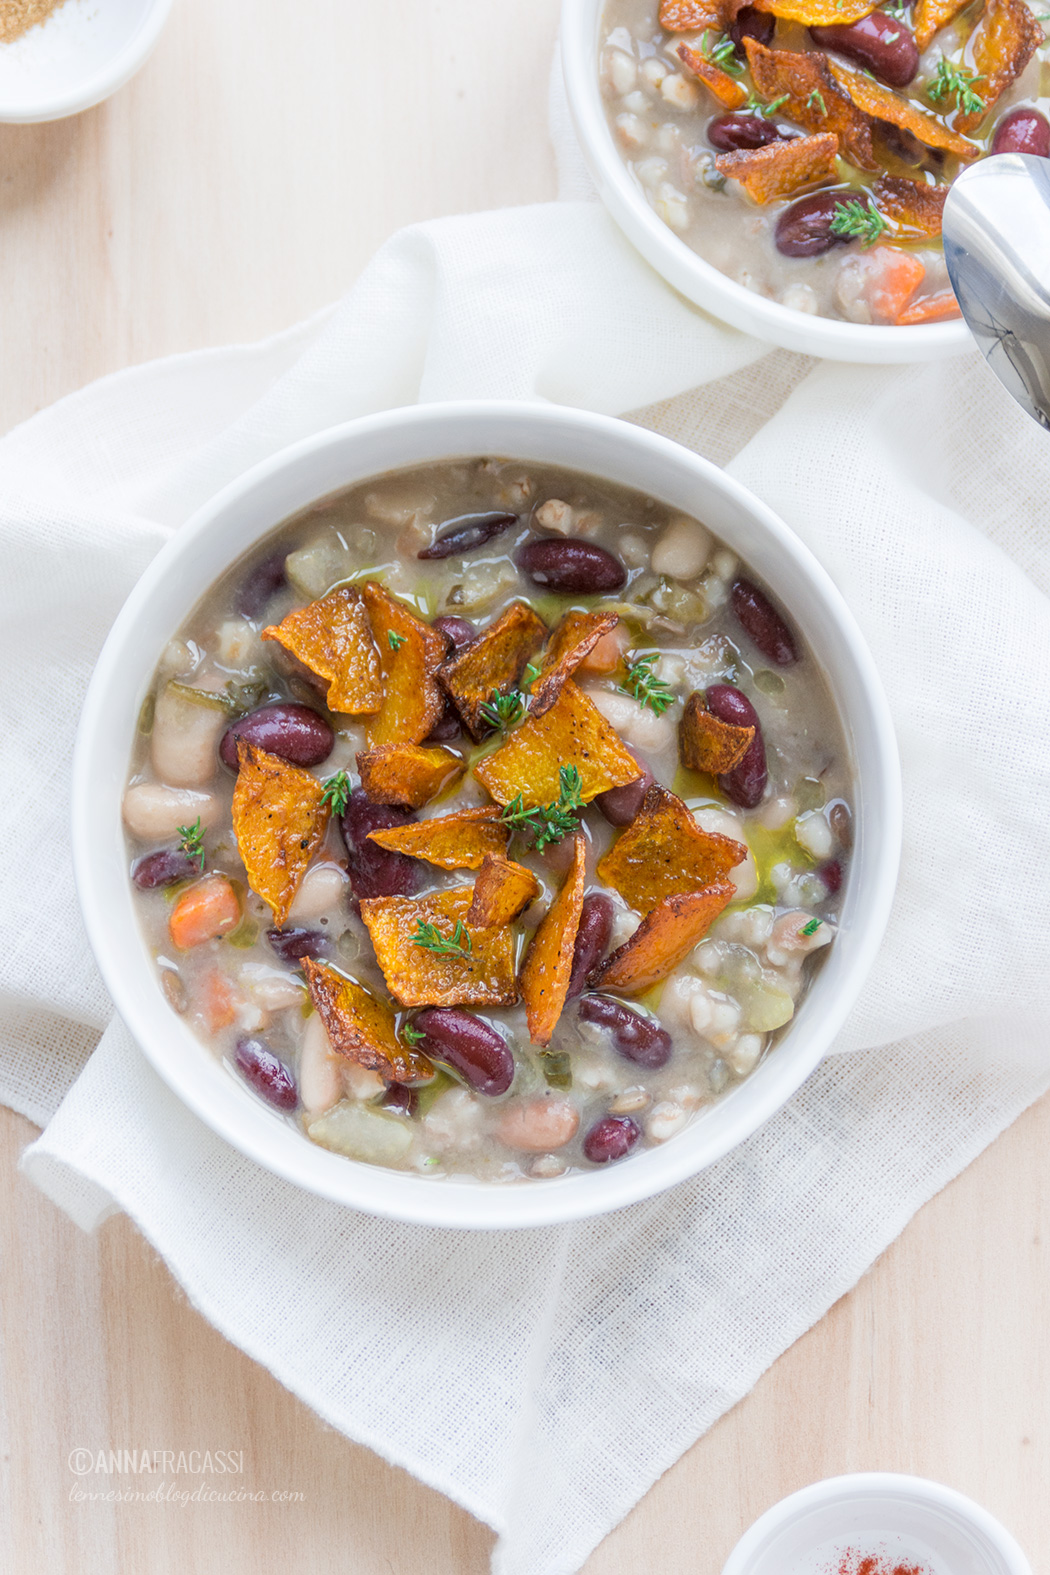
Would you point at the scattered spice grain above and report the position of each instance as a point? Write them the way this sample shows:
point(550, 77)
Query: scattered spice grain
point(18, 16)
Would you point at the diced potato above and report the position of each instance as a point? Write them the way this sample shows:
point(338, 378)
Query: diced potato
point(360, 1133)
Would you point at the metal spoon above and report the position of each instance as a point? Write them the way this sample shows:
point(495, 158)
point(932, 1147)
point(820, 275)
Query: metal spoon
point(997, 247)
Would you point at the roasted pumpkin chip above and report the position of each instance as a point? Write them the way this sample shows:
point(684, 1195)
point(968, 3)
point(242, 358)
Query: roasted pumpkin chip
point(332, 638)
point(913, 206)
point(452, 842)
point(781, 168)
point(475, 968)
point(929, 16)
point(279, 820)
point(502, 890)
point(663, 852)
point(881, 103)
point(706, 743)
point(1004, 42)
point(361, 1027)
point(573, 639)
point(663, 938)
point(817, 13)
point(492, 664)
point(407, 773)
point(726, 89)
point(689, 16)
point(812, 98)
point(572, 733)
point(410, 653)
point(548, 962)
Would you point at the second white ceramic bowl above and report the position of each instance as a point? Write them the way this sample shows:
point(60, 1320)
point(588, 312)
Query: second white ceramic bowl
point(85, 51)
point(698, 280)
point(229, 526)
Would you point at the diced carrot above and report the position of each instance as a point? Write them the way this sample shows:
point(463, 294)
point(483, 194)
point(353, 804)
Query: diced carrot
point(931, 309)
point(208, 908)
point(218, 999)
point(895, 277)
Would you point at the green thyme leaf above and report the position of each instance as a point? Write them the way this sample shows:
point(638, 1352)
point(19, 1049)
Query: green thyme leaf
point(956, 82)
point(532, 672)
point(858, 221)
point(395, 640)
point(191, 841)
point(645, 687)
point(431, 939)
point(504, 710)
point(550, 822)
point(412, 1035)
point(816, 101)
point(811, 928)
point(336, 792)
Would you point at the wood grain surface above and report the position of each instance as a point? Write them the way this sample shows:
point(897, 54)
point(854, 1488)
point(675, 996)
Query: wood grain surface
point(239, 183)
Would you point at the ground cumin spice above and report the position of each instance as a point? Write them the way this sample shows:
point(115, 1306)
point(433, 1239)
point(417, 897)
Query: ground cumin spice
point(18, 16)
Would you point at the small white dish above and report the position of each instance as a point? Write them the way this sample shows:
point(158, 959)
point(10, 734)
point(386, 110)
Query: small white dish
point(898, 1520)
point(83, 52)
point(291, 481)
point(700, 281)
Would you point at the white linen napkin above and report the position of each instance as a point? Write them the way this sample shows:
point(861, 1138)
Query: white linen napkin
point(922, 490)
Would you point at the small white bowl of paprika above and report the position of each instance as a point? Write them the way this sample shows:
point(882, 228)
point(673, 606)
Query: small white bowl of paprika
point(58, 57)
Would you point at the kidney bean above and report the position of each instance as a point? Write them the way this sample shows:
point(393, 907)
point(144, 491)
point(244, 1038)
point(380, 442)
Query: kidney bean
point(401, 1098)
point(764, 624)
point(473, 1049)
point(611, 1138)
point(292, 731)
point(751, 23)
point(268, 1076)
point(635, 1037)
point(620, 805)
point(259, 585)
point(466, 532)
point(592, 938)
point(732, 132)
point(1023, 130)
point(164, 868)
point(831, 874)
point(804, 229)
point(579, 567)
point(746, 783)
point(293, 945)
point(374, 871)
point(446, 728)
point(877, 43)
point(459, 630)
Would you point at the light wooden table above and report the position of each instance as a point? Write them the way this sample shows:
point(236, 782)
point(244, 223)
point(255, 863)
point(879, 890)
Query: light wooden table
point(240, 182)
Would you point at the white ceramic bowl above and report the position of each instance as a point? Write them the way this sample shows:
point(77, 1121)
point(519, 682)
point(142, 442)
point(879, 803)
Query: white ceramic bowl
point(85, 51)
point(897, 1518)
point(698, 280)
point(228, 527)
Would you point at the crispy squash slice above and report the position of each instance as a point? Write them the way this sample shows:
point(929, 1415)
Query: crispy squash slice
point(573, 639)
point(451, 842)
point(817, 13)
point(663, 852)
point(689, 16)
point(782, 168)
point(332, 637)
point(361, 1027)
point(407, 773)
point(502, 890)
point(410, 653)
point(664, 937)
point(812, 97)
point(1004, 42)
point(572, 733)
point(279, 820)
point(726, 89)
point(706, 743)
point(482, 975)
point(881, 103)
point(913, 206)
point(929, 16)
point(548, 962)
point(492, 664)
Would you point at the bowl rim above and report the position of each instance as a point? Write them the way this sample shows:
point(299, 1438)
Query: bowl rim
point(870, 1484)
point(102, 83)
point(193, 1072)
point(700, 281)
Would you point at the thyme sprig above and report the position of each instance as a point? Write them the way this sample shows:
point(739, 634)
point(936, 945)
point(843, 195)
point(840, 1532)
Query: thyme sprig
point(395, 640)
point(337, 792)
point(431, 939)
point(758, 106)
point(411, 1034)
point(811, 928)
point(502, 711)
point(191, 841)
point(956, 82)
point(858, 221)
point(722, 53)
point(816, 101)
point(644, 686)
point(549, 822)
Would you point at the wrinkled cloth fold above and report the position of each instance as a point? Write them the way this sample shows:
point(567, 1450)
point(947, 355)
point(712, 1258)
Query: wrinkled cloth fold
point(923, 493)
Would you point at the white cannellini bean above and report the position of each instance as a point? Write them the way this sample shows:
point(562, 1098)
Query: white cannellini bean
point(745, 878)
point(651, 172)
point(682, 550)
point(813, 833)
point(665, 1120)
point(632, 549)
point(679, 92)
point(320, 1070)
point(359, 1081)
point(743, 1054)
point(269, 988)
point(555, 515)
point(636, 724)
point(724, 563)
point(153, 810)
point(654, 70)
point(321, 892)
point(776, 813)
point(238, 643)
point(185, 738)
point(621, 73)
point(630, 132)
